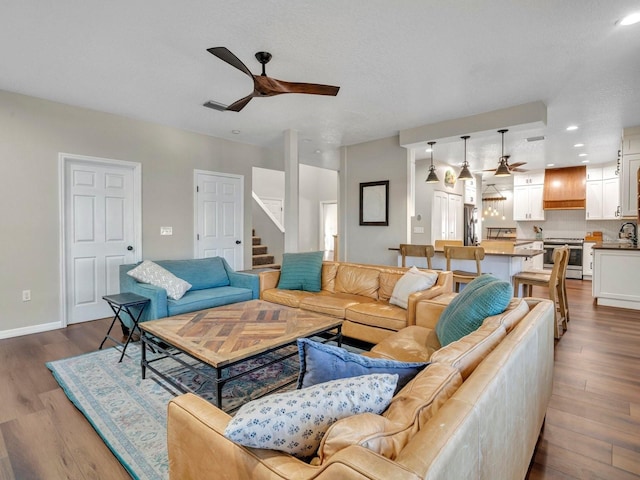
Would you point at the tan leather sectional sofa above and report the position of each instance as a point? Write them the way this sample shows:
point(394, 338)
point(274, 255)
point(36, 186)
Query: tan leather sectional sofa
point(474, 413)
point(358, 293)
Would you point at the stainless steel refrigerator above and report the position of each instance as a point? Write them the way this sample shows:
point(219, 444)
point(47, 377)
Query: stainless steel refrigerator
point(470, 224)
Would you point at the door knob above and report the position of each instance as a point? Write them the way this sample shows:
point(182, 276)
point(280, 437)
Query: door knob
point(238, 242)
point(130, 248)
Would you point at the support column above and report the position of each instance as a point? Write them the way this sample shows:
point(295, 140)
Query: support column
point(291, 191)
point(343, 234)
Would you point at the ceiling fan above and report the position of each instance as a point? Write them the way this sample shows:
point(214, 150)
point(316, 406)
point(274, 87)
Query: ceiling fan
point(513, 167)
point(504, 169)
point(264, 86)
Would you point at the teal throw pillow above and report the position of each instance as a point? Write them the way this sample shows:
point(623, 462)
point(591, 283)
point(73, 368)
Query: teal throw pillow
point(301, 271)
point(467, 311)
point(320, 363)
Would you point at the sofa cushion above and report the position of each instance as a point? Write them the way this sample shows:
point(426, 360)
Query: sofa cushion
point(208, 298)
point(378, 314)
point(329, 271)
point(334, 304)
point(412, 281)
point(295, 422)
point(199, 272)
point(301, 271)
point(290, 298)
point(357, 280)
point(154, 274)
point(409, 411)
point(387, 282)
point(411, 344)
point(482, 297)
point(320, 363)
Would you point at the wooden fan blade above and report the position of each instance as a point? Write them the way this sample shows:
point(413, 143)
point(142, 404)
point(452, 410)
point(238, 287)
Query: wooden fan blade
point(516, 169)
point(240, 104)
point(267, 87)
point(516, 165)
point(226, 56)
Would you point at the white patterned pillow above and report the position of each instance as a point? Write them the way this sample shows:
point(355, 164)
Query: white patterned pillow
point(149, 272)
point(295, 422)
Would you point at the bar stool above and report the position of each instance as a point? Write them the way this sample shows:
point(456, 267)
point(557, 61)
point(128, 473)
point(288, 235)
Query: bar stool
point(411, 250)
point(554, 280)
point(464, 253)
point(440, 244)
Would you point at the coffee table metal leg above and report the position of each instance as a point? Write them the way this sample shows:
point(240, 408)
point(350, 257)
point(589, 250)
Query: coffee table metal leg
point(219, 384)
point(143, 360)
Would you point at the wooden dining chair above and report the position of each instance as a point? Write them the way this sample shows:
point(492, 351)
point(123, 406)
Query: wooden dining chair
point(440, 244)
point(555, 281)
point(412, 250)
point(464, 253)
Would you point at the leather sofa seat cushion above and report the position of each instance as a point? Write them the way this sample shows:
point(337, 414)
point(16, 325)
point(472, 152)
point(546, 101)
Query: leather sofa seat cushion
point(387, 284)
point(358, 281)
point(378, 314)
point(334, 304)
point(411, 344)
point(290, 298)
point(208, 298)
point(409, 411)
point(467, 353)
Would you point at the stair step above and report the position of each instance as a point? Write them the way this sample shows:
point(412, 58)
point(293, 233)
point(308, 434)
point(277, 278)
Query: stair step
point(268, 266)
point(259, 249)
point(262, 259)
point(256, 240)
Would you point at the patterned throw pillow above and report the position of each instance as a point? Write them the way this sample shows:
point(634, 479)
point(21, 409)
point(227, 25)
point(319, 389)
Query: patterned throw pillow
point(149, 272)
point(412, 281)
point(295, 422)
point(321, 363)
point(483, 297)
point(301, 271)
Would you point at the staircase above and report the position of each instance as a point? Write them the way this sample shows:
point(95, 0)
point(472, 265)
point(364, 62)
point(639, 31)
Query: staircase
point(261, 259)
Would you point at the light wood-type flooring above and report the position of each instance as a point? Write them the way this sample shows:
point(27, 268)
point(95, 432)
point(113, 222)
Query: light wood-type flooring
point(592, 429)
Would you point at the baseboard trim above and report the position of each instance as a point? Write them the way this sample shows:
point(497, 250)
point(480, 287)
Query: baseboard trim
point(18, 332)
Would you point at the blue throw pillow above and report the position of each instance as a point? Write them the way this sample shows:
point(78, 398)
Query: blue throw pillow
point(301, 271)
point(321, 363)
point(467, 311)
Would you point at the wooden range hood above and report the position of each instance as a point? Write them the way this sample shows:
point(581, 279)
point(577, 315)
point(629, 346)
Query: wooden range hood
point(565, 188)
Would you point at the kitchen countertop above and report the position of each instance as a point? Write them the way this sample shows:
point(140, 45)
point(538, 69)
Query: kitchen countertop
point(617, 246)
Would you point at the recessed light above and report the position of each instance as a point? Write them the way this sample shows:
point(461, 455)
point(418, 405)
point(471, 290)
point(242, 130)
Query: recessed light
point(630, 19)
point(235, 132)
point(318, 151)
point(582, 154)
point(550, 164)
point(571, 128)
point(585, 161)
point(578, 145)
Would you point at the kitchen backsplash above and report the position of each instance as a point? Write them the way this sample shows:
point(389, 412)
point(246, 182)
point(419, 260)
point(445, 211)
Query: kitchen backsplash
point(570, 224)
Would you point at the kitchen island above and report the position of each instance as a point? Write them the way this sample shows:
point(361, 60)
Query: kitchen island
point(499, 263)
point(616, 275)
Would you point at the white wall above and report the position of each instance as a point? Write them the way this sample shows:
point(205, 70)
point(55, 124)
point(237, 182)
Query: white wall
point(34, 132)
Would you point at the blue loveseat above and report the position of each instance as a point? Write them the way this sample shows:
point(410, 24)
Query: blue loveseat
point(213, 283)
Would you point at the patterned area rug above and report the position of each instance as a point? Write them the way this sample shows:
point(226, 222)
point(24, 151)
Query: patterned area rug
point(130, 413)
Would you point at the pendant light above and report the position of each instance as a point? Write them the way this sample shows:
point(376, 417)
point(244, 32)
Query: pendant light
point(503, 168)
point(432, 177)
point(465, 174)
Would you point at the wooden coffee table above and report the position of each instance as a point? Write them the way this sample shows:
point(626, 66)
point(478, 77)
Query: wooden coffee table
point(225, 336)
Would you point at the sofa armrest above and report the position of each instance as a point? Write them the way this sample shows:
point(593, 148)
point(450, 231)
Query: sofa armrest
point(428, 313)
point(197, 447)
point(268, 280)
point(157, 307)
point(443, 285)
point(245, 280)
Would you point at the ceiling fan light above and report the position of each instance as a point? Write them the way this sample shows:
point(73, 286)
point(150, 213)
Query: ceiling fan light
point(503, 169)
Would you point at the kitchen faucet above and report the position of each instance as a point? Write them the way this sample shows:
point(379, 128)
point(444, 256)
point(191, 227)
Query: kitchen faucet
point(624, 234)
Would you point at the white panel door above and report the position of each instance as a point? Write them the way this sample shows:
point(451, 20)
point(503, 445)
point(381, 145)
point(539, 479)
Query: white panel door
point(439, 214)
point(219, 217)
point(276, 207)
point(99, 234)
point(455, 219)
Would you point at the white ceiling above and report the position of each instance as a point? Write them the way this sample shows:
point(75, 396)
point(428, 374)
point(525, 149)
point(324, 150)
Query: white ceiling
point(400, 64)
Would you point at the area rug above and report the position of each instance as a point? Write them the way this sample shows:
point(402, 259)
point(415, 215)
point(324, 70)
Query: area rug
point(130, 413)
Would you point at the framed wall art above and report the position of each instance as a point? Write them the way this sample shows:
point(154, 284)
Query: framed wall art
point(374, 203)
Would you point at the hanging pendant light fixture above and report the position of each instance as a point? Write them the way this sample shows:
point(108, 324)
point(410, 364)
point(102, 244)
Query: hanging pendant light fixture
point(503, 168)
point(465, 174)
point(432, 177)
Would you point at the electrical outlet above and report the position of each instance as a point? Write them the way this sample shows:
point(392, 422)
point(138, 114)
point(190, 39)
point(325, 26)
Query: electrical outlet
point(26, 295)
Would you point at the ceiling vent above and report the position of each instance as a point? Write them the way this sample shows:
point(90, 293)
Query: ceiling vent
point(535, 139)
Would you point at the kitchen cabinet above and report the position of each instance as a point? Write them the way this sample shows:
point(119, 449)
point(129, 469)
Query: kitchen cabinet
point(470, 192)
point(446, 218)
point(530, 178)
point(631, 145)
point(533, 263)
point(616, 275)
point(629, 185)
point(603, 193)
point(527, 202)
point(587, 259)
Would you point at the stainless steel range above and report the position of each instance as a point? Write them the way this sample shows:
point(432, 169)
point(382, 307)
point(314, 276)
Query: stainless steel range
point(574, 268)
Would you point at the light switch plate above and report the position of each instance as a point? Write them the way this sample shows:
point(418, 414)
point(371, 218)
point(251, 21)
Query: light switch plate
point(166, 230)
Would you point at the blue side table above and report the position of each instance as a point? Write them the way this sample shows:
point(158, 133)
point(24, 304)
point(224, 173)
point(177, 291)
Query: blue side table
point(118, 303)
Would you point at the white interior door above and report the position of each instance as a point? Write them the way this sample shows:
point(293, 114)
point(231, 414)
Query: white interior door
point(276, 207)
point(219, 217)
point(328, 226)
point(101, 218)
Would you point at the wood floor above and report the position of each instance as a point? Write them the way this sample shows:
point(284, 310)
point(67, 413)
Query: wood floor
point(592, 429)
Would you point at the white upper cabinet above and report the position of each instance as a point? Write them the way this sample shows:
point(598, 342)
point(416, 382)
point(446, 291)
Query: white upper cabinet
point(529, 178)
point(631, 145)
point(629, 185)
point(527, 202)
point(603, 193)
